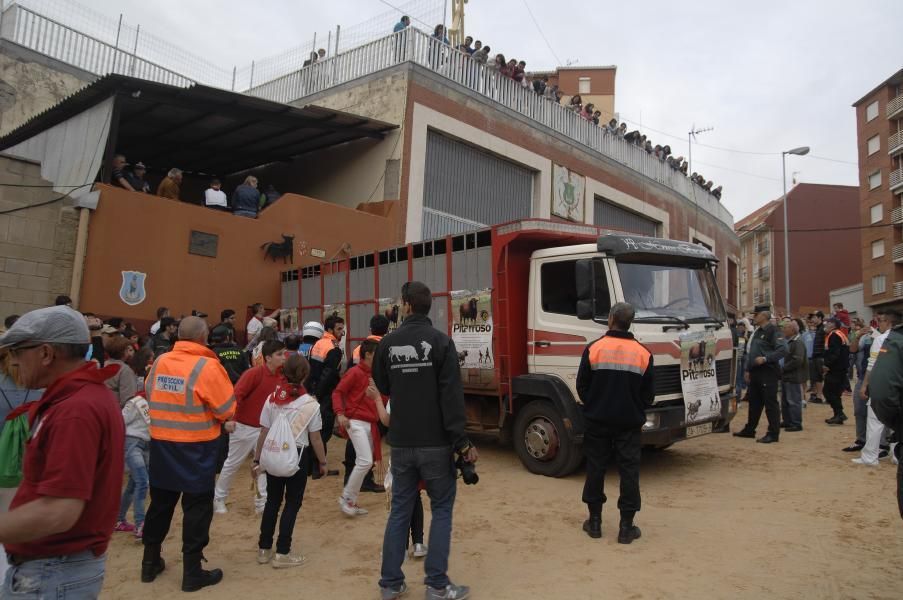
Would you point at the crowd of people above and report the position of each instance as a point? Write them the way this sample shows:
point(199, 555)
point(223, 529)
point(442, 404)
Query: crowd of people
point(182, 409)
point(247, 200)
point(819, 356)
point(497, 65)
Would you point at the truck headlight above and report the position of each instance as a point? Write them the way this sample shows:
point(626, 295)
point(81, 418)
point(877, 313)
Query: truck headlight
point(652, 421)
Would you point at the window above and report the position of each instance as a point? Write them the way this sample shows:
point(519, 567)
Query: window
point(875, 180)
point(871, 111)
point(583, 85)
point(877, 213)
point(879, 284)
point(559, 289)
point(743, 275)
point(663, 292)
point(877, 248)
point(874, 144)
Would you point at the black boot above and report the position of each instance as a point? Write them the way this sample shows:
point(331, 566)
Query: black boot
point(194, 577)
point(593, 525)
point(628, 532)
point(152, 564)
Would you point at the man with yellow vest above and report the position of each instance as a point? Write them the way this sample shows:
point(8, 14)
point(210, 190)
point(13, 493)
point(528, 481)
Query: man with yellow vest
point(616, 385)
point(190, 396)
point(836, 366)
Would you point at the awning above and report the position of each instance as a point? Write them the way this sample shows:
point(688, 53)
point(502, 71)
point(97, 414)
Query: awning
point(202, 129)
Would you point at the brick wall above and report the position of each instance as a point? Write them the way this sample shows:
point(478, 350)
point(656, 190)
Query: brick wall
point(37, 245)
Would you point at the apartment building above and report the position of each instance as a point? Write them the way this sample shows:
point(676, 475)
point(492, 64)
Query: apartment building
point(822, 257)
point(879, 126)
point(595, 84)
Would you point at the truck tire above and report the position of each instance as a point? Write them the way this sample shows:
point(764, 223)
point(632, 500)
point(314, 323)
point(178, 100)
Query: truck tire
point(542, 443)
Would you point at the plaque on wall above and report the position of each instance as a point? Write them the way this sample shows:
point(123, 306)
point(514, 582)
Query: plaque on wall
point(203, 244)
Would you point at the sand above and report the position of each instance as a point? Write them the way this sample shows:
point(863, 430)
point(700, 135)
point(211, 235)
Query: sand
point(722, 517)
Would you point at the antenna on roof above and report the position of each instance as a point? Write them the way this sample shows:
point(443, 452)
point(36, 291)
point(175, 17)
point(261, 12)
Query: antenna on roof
point(691, 135)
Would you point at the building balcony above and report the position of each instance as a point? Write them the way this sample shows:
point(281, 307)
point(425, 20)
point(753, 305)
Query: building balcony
point(895, 143)
point(762, 248)
point(896, 180)
point(898, 253)
point(898, 289)
point(895, 107)
point(764, 273)
point(896, 216)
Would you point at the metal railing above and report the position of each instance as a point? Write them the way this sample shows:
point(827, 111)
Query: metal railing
point(895, 106)
point(417, 47)
point(764, 273)
point(895, 142)
point(896, 216)
point(897, 253)
point(898, 289)
point(896, 179)
point(51, 38)
point(762, 248)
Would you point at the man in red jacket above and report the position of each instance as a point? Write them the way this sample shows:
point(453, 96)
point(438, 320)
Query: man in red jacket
point(61, 519)
point(251, 391)
point(352, 402)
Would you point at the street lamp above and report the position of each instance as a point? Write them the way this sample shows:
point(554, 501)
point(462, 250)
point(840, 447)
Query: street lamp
point(801, 151)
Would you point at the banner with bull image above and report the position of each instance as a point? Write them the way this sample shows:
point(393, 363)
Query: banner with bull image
point(391, 308)
point(698, 380)
point(472, 328)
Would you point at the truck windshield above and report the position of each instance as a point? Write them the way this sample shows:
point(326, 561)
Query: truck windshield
point(656, 291)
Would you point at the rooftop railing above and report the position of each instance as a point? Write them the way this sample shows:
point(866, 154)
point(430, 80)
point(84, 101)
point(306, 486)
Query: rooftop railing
point(417, 47)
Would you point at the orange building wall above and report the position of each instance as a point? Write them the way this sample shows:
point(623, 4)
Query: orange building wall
point(138, 232)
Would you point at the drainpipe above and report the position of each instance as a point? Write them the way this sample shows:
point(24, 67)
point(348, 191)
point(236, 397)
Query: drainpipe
point(81, 248)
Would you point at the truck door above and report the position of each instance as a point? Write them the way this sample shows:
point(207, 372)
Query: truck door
point(557, 337)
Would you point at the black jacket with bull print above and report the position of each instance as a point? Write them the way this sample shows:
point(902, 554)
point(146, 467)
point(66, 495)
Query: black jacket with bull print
point(417, 367)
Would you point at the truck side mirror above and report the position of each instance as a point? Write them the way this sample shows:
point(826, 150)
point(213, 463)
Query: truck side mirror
point(586, 297)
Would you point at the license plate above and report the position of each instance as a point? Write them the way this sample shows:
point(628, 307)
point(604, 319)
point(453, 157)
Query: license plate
point(697, 430)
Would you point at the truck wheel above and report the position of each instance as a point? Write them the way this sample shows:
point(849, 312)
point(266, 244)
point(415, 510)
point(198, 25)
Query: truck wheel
point(542, 443)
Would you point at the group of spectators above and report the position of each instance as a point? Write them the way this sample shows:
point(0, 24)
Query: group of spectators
point(498, 65)
point(247, 200)
point(186, 402)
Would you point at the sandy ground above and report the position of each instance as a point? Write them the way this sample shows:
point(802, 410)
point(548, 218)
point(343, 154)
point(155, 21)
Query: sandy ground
point(722, 517)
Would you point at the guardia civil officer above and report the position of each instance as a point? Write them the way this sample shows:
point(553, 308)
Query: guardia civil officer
point(767, 347)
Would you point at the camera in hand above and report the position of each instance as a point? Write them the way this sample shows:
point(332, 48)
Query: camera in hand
point(468, 471)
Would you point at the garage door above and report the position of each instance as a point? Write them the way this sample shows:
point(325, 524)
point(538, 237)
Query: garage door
point(609, 214)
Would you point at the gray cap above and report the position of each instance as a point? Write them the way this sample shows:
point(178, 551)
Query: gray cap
point(52, 325)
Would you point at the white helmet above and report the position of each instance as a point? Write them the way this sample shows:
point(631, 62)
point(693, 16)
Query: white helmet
point(312, 329)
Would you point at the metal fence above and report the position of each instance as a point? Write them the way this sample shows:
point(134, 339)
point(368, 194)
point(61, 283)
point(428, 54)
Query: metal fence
point(53, 39)
point(415, 46)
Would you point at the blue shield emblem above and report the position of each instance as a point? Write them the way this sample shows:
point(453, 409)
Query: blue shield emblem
point(132, 290)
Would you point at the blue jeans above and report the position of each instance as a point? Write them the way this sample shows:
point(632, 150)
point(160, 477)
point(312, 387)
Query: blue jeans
point(245, 213)
point(792, 403)
point(436, 468)
point(74, 577)
point(137, 455)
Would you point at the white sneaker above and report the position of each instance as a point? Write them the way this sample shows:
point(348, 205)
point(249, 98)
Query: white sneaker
point(419, 551)
point(219, 507)
point(258, 510)
point(284, 561)
point(859, 461)
point(264, 556)
point(351, 509)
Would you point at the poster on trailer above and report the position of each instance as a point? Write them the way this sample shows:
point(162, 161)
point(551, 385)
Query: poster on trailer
point(391, 308)
point(472, 328)
point(697, 376)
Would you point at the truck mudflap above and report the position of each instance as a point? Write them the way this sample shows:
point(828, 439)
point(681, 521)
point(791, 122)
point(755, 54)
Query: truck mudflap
point(667, 424)
point(556, 391)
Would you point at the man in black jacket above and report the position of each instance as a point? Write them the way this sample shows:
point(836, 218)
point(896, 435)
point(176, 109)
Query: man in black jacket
point(886, 390)
point(417, 367)
point(616, 385)
point(836, 368)
point(762, 370)
point(325, 372)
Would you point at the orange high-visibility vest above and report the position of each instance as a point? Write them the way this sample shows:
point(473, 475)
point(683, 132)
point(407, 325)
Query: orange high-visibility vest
point(356, 353)
point(619, 354)
point(841, 334)
point(323, 347)
point(189, 395)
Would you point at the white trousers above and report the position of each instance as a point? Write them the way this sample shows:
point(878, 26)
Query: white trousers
point(6, 497)
point(361, 436)
point(242, 442)
point(874, 436)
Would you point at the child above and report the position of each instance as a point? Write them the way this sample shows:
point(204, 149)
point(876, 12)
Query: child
point(304, 416)
point(417, 516)
point(136, 415)
point(353, 404)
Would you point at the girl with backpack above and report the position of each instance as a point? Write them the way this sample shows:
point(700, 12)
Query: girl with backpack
point(289, 414)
